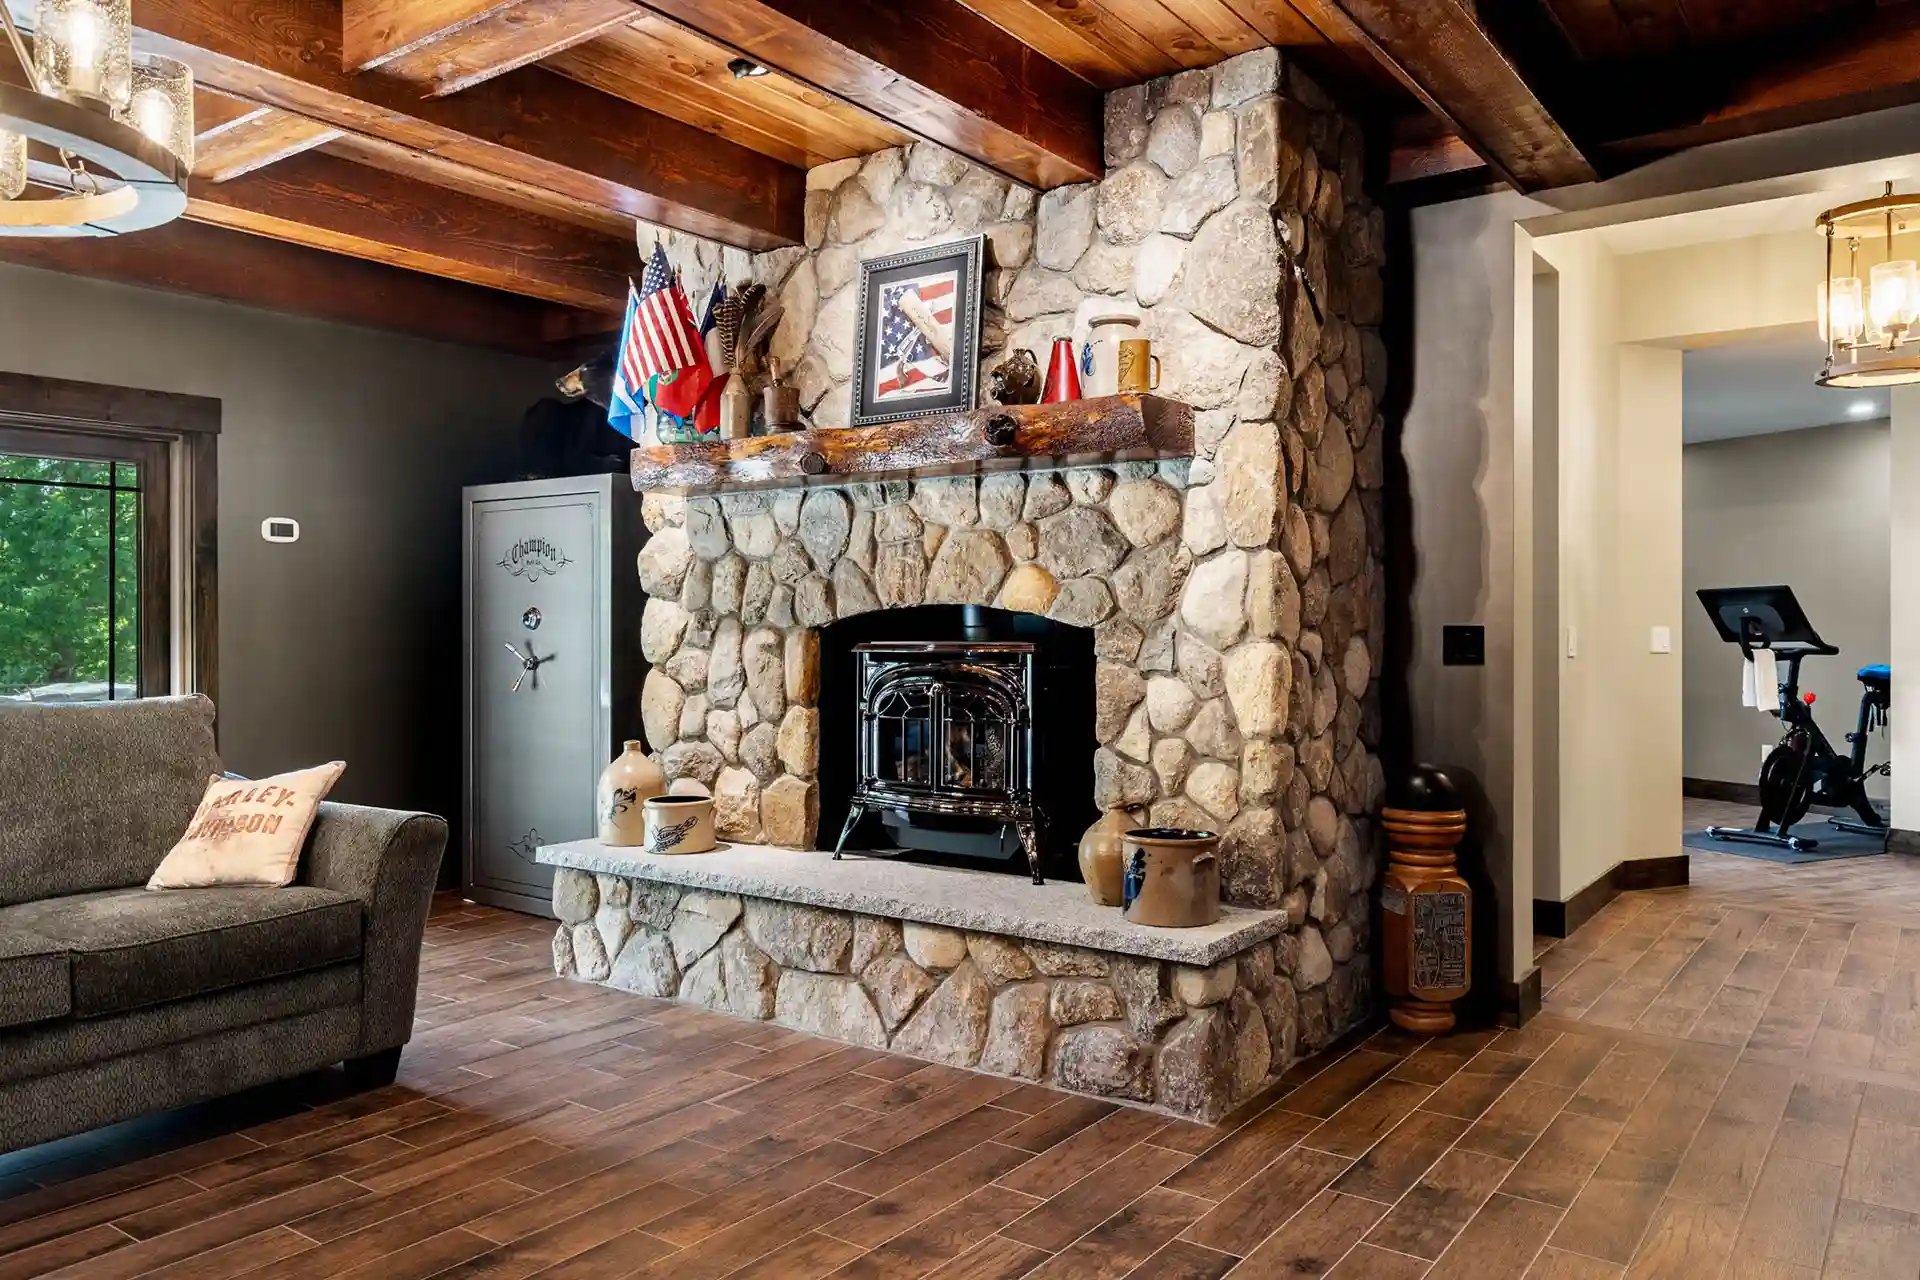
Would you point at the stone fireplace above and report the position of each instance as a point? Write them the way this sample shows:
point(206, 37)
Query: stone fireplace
point(1234, 601)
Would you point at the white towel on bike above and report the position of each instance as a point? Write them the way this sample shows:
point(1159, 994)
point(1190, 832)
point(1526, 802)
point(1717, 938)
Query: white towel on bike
point(1760, 681)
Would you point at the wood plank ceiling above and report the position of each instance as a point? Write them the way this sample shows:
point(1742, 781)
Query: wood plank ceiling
point(461, 150)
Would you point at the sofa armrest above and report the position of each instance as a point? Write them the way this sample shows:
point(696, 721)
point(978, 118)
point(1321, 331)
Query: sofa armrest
point(390, 860)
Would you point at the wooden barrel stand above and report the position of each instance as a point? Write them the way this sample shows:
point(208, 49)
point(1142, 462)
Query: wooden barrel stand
point(1427, 918)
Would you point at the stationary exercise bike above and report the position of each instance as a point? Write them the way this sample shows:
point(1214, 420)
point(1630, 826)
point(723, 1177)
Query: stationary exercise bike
point(1804, 769)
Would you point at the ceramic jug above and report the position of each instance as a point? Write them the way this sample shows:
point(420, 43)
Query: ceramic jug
point(624, 785)
point(1105, 332)
point(1102, 855)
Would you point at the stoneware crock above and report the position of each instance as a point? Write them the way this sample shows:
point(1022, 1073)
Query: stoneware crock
point(1103, 855)
point(680, 824)
point(624, 786)
point(1172, 877)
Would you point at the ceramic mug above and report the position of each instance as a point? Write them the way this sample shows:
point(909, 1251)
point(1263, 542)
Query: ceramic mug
point(679, 824)
point(1138, 369)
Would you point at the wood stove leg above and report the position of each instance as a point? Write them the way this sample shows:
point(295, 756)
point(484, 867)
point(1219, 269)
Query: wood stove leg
point(1030, 841)
point(854, 815)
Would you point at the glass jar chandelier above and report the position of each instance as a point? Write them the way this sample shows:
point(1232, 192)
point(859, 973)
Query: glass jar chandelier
point(99, 140)
point(1870, 297)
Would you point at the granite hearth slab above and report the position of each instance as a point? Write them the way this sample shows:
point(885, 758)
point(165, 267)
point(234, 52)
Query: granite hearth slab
point(981, 901)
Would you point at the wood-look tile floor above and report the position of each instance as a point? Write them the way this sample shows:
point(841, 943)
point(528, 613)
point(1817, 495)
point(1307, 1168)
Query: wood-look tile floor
point(1718, 1089)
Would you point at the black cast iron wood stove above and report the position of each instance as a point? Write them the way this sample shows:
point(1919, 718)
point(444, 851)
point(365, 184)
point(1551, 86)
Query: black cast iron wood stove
point(945, 728)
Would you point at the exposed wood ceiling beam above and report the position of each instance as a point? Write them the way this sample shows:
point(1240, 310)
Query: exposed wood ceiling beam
point(439, 172)
point(193, 258)
point(659, 63)
point(1837, 67)
point(449, 45)
point(1440, 51)
point(1421, 148)
point(329, 203)
point(933, 68)
point(528, 126)
point(264, 135)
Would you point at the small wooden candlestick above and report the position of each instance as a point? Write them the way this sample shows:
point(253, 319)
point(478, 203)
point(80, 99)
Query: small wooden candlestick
point(1426, 909)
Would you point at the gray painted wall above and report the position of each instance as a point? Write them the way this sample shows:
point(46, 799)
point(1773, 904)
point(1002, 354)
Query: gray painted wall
point(1810, 509)
point(345, 645)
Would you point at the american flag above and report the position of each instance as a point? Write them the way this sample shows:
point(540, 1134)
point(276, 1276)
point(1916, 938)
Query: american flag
point(907, 359)
point(661, 341)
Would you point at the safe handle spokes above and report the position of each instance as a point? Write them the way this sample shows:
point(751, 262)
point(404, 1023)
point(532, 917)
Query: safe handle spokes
point(529, 665)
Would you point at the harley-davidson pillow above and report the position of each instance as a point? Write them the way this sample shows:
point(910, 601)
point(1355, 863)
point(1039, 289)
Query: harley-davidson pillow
point(248, 832)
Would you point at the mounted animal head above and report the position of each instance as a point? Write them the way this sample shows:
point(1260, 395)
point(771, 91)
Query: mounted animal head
point(593, 380)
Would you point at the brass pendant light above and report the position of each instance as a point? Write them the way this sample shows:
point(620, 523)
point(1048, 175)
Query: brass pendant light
point(1871, 324)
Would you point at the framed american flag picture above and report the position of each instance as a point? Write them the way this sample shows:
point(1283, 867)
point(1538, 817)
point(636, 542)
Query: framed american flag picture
point(917, 338)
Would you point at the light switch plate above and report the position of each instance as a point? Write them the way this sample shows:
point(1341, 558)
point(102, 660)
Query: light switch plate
point(1662, 640)
point(1573, 642)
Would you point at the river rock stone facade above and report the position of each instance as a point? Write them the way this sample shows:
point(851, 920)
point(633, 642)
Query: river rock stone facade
point(1236, 599)
point(1193, 1041)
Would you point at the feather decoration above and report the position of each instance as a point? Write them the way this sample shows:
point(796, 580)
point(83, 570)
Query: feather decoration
point(726, 323)
point(759, 318)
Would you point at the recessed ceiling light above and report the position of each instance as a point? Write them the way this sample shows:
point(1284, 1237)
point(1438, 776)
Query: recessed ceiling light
point(745, 68)
point(1862, 409)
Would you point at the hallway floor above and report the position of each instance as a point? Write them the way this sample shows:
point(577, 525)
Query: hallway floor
point(1726, 1082)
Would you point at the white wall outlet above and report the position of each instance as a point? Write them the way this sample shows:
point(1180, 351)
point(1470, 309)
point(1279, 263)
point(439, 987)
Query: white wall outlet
point(1661, 641)
point(280, 529)
point(1573, 642)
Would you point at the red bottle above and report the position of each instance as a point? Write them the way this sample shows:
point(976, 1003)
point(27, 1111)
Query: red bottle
point(1063, 374)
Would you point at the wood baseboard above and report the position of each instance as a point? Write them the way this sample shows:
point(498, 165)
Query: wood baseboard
point(1714, 789)
point(1558, 919)
point(1520, 1001)
point(1899, 841)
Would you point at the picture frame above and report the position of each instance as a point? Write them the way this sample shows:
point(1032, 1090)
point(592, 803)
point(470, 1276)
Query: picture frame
point(912, 304)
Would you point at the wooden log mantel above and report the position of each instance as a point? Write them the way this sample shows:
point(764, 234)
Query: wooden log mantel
point(1128, 428)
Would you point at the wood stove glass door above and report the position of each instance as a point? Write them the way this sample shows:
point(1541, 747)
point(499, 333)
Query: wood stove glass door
point(977, 724)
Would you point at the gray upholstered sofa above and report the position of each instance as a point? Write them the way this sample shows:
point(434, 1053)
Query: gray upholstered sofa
point(115, 1000)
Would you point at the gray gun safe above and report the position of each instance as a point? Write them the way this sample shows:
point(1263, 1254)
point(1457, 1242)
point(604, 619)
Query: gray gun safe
point(552, 670)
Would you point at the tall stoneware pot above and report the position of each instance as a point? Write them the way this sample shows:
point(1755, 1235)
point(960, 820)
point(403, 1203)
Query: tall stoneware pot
point(1103, 856)
point(631, 779)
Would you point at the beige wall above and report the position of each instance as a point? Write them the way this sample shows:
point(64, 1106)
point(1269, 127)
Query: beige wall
point(1810, 509)
point(1618, 490)
point(1904, 606)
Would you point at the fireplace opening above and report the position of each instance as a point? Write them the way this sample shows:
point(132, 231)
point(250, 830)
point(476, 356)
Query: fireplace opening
point(957, 734)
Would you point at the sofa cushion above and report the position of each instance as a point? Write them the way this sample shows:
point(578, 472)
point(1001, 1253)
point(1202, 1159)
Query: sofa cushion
point(34, 982)
point(134, 947)
point(47, 1047)
point(96, 793)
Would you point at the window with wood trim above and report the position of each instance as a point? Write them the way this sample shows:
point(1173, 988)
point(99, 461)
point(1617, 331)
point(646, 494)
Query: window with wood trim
point(85, 560)
point(106, 542)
